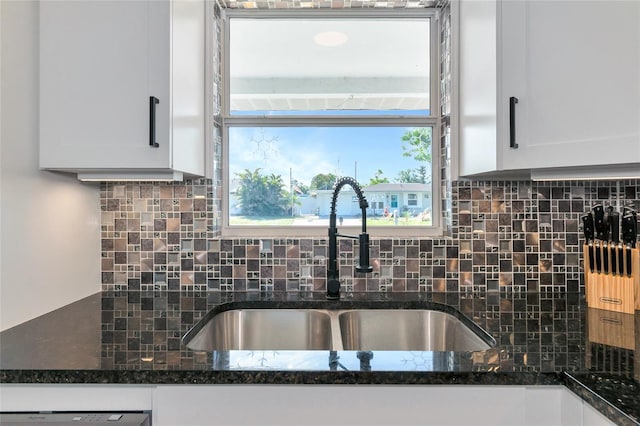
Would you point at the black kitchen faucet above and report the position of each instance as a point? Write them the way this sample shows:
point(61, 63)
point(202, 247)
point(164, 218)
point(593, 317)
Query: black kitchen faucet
point(333, 281)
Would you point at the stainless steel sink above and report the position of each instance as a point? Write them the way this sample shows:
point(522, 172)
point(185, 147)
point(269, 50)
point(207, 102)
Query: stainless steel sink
point(333, 329)
point(407, 330)
point(266, 329)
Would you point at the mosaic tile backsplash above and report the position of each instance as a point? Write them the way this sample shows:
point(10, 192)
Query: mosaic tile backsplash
point(517, 236)
point(503, 235)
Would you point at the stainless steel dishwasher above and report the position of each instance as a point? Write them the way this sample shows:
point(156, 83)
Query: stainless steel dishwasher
point(76, 419)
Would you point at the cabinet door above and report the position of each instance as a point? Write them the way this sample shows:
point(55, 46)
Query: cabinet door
point(100, 63)
point(477, 83)
point(574, 68)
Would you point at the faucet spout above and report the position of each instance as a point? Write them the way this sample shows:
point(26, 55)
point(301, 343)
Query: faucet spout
point(333, 279)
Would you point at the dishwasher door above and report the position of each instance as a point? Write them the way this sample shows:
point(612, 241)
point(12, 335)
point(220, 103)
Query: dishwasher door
point(76, 419)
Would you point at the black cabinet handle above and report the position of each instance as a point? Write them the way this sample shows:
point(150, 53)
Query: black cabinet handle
point(512, 122)
point(153, 101)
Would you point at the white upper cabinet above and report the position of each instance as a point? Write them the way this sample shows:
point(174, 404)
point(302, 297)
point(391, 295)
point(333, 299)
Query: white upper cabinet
point(549, 87)
point(122, 88)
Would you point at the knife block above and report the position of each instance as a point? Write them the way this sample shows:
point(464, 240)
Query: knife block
point(613, 342)
point(617, 293)
point(611, 328)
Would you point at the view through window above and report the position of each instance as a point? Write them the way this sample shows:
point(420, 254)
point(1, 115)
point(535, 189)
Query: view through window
point(312, 100)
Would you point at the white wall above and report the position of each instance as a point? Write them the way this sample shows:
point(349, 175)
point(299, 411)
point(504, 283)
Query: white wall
point(49, 223)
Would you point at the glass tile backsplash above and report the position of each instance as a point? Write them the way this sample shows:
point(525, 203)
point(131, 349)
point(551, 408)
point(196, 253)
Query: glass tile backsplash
point(503, 235)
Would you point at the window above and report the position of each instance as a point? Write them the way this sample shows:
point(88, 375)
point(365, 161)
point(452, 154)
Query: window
point(311, 97)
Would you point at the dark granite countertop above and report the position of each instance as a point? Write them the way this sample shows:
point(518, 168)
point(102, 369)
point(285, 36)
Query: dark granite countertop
point(135, 337)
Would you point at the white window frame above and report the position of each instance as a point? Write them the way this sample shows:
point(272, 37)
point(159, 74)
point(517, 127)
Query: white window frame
point(432, 121)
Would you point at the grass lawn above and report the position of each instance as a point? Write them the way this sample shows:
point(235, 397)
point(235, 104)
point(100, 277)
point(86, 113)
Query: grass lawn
point(266, 221)
point(315, 221)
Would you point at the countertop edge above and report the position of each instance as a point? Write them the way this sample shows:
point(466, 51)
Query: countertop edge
point(271, 377)
point(597, 401)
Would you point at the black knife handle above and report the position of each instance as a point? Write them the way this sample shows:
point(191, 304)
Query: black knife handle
point(607, 223)
point(605, 257)
point(629, 210)
point(598, 258)
point(598, 221)
point(629, 235)
point(153, 101)
point(587, 227)
point(614, 261)
point(629, 229)
point(614, 226)
point(512, 122)
point(621, 259)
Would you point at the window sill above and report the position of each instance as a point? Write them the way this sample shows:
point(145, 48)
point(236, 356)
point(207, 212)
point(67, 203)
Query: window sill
point(322, 232)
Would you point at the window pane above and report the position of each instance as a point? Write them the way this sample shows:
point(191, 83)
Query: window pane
point(284, 175)
point(321, 66)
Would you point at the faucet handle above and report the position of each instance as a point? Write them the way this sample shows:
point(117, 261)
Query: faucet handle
point(333, 289)
point(363, 263)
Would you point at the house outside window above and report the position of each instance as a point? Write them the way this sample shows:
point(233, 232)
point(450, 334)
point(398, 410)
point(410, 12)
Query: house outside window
point(311, 97)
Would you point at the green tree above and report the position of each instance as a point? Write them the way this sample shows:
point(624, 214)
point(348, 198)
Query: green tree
point(417, 175)
point(378, 178)
point(262, 195)
point(323, 181)
point(424, 177)
point(408, 176)
point(416, 143)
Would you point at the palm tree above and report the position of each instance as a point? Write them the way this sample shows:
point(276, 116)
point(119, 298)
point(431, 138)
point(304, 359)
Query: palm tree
point(261, 195)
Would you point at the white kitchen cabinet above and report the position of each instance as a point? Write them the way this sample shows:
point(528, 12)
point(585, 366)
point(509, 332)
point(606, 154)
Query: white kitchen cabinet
point(370, 405)
point(340, 404)
point(75, 397)
point(102, 63)
point(574, 68)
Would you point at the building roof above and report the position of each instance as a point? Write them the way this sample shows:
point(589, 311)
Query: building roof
point(398, 187)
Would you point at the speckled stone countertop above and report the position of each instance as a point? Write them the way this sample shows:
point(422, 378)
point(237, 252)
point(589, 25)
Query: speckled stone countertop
point(135, 337)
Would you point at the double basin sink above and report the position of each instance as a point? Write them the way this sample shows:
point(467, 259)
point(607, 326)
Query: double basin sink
point(438, 328)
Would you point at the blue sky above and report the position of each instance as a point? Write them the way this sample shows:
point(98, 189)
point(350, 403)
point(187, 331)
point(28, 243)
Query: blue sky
point(347, 151)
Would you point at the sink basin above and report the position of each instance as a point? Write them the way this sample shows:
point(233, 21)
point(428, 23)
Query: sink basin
point(265, 329)
point(439, 329)
point(406, 330)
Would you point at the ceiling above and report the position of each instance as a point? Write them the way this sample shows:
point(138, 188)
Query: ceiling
point(287, 48)
point(278, 64)
point(326, 4)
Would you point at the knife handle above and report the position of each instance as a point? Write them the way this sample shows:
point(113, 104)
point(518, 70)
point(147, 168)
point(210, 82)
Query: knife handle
point(591, 259)
point(598, 258)
point(629, 210)
point(614, 261)
point(598, 221)
point(629, 262)
point(621, 261)
point(614, 226)
point(587, 227)
point(629, 229)
point(605, 257)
